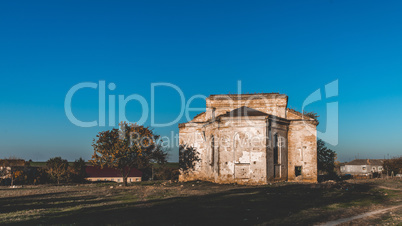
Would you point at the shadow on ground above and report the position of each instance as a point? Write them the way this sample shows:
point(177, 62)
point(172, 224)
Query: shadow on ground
point(283, 204)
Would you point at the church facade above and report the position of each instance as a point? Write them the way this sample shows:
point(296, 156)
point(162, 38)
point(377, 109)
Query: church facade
point(251, 139)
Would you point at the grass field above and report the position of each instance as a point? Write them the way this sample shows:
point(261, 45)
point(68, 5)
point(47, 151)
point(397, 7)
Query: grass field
point(43, 164)
point(198, 203)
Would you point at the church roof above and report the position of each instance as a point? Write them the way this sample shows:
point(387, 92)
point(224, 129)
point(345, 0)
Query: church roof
point(247, 96)
point(244, 111)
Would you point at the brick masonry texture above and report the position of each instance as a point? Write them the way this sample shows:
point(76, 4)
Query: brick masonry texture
point(251, 139)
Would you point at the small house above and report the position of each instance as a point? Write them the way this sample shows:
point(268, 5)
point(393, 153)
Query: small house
point(7, 166)
point(96, 173)
point(362, 167)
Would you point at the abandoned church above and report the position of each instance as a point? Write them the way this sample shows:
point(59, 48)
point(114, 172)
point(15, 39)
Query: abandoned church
point(251, 139)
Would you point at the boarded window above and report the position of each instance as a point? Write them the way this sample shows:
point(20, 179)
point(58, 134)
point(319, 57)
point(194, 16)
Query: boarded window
point(242, 153)
point(276, 156)
point(281, 144)
point(277, 171)
point(300, 153)
point(298, 171)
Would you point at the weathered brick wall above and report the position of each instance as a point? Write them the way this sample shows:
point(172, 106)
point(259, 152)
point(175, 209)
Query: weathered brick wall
point(190, 135)
point(242, 151)
point(200, 117)
point(302, 147)
point(280, 128)
point(227, 162)
point(239, 155)
point(273, 104)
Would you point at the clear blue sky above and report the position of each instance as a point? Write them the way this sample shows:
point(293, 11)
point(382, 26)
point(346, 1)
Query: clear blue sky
point(204, 47)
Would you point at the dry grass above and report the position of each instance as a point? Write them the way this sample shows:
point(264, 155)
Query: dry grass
point(197, 203)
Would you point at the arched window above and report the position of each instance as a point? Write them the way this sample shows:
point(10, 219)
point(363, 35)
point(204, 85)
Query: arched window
point(212, 150)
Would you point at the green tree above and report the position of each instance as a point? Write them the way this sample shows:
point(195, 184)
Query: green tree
point(393, 165)
point(188, 157)
point(325, 158)
point(166, 172)
point(132, 146)
point(57, 168)
point(78, 170)
point(38, 175)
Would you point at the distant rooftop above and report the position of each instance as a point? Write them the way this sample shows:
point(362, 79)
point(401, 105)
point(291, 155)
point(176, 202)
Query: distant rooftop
point(96, 171)
point(366, 162)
